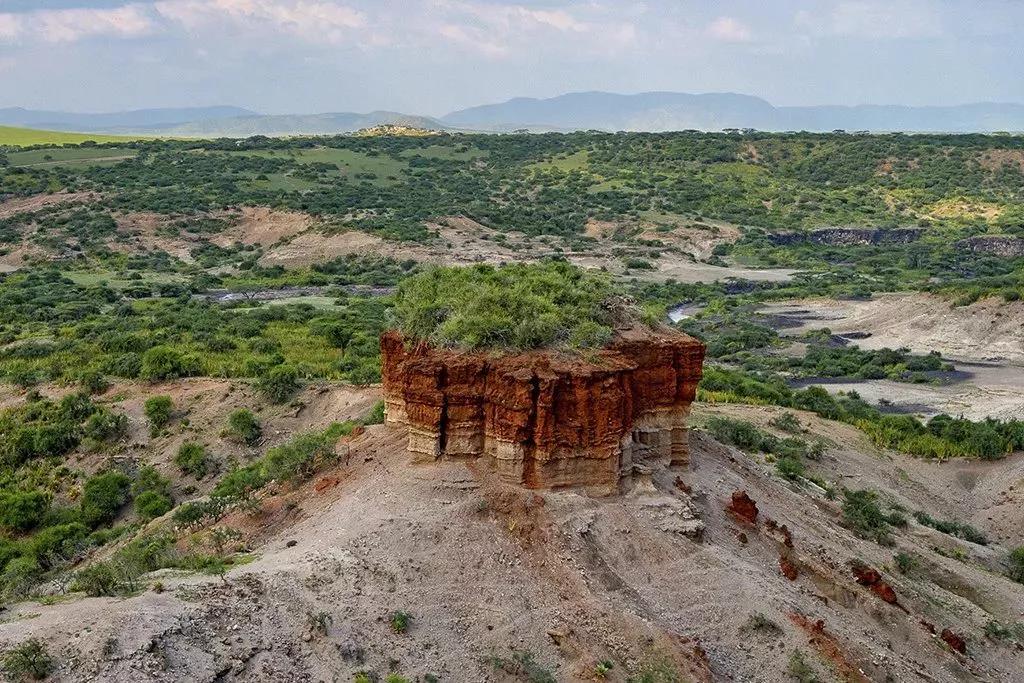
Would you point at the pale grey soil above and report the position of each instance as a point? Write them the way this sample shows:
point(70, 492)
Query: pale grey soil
point(985, 340)
point(485, 570)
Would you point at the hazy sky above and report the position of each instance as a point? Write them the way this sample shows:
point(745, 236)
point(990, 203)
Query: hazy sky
point(432, 56)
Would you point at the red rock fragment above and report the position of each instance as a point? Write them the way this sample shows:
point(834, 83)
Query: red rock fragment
point(742, 507)
point(871, 578)
point(956, 642)
point(789, 568)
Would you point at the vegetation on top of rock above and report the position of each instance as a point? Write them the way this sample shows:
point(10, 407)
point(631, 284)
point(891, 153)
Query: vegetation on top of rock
point(552, 304)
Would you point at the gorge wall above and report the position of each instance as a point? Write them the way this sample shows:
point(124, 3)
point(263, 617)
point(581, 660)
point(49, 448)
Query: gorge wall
point(542, 419)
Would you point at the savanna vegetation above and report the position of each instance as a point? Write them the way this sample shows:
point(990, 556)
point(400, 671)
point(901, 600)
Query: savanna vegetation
point(85, 308)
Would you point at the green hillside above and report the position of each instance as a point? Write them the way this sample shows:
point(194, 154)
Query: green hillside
point(25, 137)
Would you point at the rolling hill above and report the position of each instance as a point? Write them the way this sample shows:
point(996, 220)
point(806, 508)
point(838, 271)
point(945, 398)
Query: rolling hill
point(25, 137)
point(665, 111)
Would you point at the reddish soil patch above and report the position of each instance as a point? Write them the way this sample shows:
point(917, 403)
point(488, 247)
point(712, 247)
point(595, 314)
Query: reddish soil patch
point(829, 648)
point(956, 642)
point(743, 507)
point(788, 568)
point(871, 578)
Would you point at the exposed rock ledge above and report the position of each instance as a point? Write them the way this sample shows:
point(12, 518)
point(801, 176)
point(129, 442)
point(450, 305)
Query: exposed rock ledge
point(547, 420)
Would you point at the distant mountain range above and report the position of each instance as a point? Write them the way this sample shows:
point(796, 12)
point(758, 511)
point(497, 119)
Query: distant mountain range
point(664, 111)
point(652, 111)
point(141, 119)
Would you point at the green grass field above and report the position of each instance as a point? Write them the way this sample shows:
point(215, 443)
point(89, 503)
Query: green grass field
point(25, 137)
point(71, 156)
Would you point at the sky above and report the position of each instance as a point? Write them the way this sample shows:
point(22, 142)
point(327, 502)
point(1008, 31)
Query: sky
point(434, 56)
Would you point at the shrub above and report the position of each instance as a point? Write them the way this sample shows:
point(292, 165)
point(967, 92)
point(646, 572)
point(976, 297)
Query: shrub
point(243, 426)
point(787, 422)
point(298, 458)
point(376, 415)
point(23, 510)
point(524, 666)
point(56, 544)
point(516, 306)
point(400, 621)
point(19, 574)
point(96, 580)
point(93, 382)
point(790, 468)
point(193, 459)
point(952, 527)
point(158, 411)
point(800, 670)
point(865, 516)
point(28, 660)
point(240, 482)
point(102, 496)
point(905, 562)
point(162, 362)
point(152, 504)
point(279, 383)
point(104, 426)
point(1016, 565)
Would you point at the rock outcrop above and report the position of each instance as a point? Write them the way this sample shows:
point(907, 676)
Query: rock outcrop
point(544, 419)
point(845, 237)
point(996, 245)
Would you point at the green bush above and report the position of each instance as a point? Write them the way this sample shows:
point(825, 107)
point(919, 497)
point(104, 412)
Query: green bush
point(152, 504)
point(952, 527)
point(19, 574)
point(515, 306)
point(93, 382)
point(193, 459)
point(102, 496)
point(1015, 561)
point(298, 458)
point(400, 621)
point(158, 411)
point(97, 579)
point(56, 545)
point(23, 510)
point(865, 516)
point(376, 414)
point(790, 468)
point(163, 362)
point(28, 660)
point(104, 426)
point(279, 383)
point(243, 426)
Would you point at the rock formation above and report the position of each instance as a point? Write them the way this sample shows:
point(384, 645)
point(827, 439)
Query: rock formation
point(545, 419)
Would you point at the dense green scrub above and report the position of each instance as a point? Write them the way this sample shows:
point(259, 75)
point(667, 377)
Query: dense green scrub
point(552, 304)
point(551, 184)
point(940, 437)
point(56, 329)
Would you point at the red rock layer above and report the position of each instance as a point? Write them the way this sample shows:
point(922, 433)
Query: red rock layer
point(546, 420)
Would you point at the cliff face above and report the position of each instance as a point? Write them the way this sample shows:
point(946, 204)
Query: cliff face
point(545, 420)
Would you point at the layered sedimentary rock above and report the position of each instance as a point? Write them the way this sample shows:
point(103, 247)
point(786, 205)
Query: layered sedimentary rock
point(544, 419)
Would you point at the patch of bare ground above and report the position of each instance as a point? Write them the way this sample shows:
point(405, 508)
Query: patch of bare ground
point(140, 232)
point(487, 571)
point(459, 240)
point(995, 159)
point(261, 225)
point(19, 256)
point(988, 330)
point(35, 202)
point(697, 238)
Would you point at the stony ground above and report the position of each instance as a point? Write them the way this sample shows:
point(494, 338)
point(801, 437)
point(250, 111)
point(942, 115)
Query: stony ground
point(661, 581)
